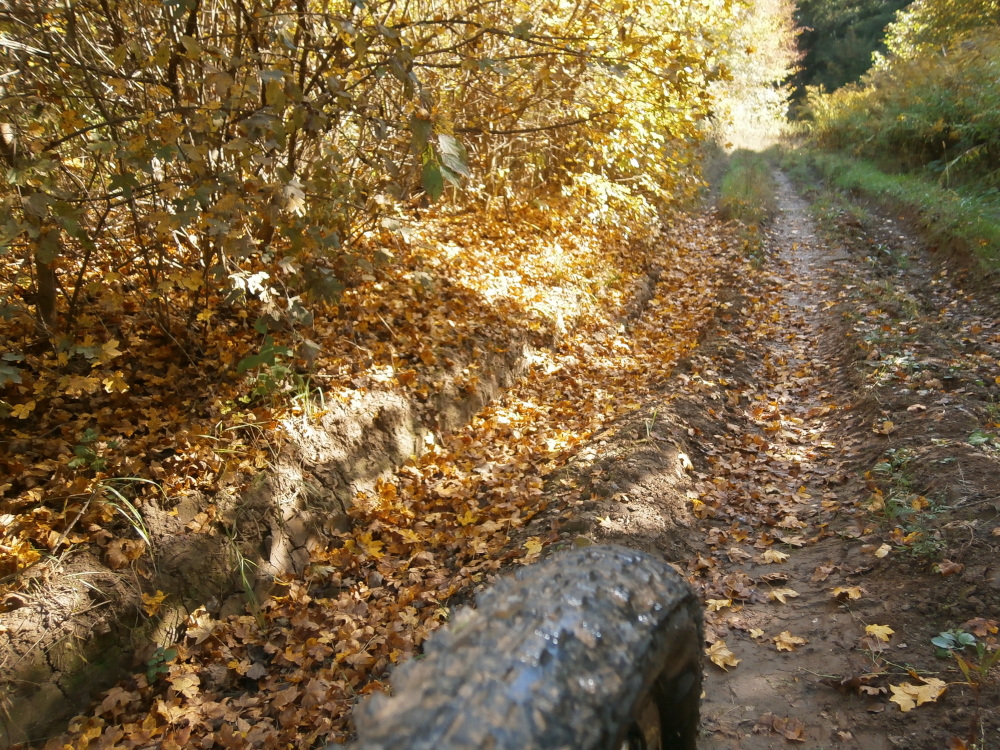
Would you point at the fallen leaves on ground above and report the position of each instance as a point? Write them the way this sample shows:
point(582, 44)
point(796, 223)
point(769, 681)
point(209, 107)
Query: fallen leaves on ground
point(721, 656)
point(785, 641)
point(948, 567)
point(908, 696)
point(445, 523)
point(789, 727)
point(774, 556)
point(782, 595)
point(882, 632)
point(843, 593)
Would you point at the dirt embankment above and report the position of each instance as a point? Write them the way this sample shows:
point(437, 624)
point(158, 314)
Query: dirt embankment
point(79, 628)
point(83, 625)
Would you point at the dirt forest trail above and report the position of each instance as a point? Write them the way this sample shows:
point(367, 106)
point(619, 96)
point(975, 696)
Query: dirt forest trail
point(820, 599)
point(750, 422)
point(790, 632)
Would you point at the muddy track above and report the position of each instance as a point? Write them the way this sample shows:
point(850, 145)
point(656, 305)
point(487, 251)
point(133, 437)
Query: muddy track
point(833, 411)
point(776, 453)
point(805, 404)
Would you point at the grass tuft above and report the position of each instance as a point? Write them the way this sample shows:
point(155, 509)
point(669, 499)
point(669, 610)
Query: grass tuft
point(746, 193)
point(747, 196)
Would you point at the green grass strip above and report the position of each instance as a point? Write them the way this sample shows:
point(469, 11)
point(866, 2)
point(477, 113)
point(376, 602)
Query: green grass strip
point(747, 190)
point(955, 220)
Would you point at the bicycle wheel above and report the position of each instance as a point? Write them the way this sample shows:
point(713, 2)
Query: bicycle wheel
point(598, 648)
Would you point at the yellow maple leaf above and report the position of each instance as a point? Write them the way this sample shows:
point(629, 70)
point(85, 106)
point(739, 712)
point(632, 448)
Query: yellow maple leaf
point(21, 411)
point(372, 547)
point(845, 592)
point(785, 641)
point(908, 696)
point(409, 535)
point(882, 632)
point(109, 350)
point(756, 632)
point(467, 518)
point(151, 603)
point(782, 594)
point(774, 556)
point(882, 551)
point(533, 545)
point(721, 656)
point(714, 605)
point(116, 383)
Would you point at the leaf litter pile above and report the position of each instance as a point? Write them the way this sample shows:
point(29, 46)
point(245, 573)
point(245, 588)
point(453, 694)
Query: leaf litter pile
point(287, 675)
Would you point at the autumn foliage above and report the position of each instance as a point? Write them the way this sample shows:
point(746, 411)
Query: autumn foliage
point(219, 215)
point(929, 104)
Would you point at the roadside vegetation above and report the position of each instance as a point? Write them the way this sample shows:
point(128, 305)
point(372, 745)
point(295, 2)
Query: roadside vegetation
point(966, 220)
point(232, 186)
point(921, 131)
point(746, 196)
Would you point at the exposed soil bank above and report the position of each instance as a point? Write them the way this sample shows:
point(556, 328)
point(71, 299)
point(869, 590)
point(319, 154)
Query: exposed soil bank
point(81, 629)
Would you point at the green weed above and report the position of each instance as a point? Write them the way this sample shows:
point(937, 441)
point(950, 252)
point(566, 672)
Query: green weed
point(747, 190)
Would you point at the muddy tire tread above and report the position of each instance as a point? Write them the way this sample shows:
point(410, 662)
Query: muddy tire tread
point(555, 656)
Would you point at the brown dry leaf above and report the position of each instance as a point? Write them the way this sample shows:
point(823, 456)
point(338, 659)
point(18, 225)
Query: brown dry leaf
point(822, 572)
point(200, 625)
point(765, 723)
point(789, 727)
point(120, 552)
point(774, 556)
point(785, 641)
point(721, 656)
point(885, 428)
point(882, 632)
point(948, 568)
point(151, 603)
point(533, 545)
point(982, 627)
point(908, 696)
point(782, 595)
point(843, 593)
point(187, 683)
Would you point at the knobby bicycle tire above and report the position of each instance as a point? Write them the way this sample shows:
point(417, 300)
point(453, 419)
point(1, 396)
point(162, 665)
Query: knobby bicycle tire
point(564, 654)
